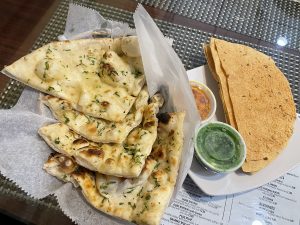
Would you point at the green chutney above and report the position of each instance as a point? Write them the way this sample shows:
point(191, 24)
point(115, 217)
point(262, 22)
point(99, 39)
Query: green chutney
point(220, 147)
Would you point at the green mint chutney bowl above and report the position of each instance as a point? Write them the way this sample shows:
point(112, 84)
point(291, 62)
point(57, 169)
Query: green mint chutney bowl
point(219, 147)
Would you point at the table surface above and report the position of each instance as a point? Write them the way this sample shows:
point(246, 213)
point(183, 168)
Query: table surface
point(22, 21)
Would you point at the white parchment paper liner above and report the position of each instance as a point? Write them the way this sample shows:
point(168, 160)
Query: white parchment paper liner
point(83, 22)
point(23, 152)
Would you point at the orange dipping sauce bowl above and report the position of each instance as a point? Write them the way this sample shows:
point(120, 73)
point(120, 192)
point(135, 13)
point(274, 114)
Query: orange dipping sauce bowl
point(205, 101)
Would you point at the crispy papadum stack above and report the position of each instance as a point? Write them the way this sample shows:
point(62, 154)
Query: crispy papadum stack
point(257, 99)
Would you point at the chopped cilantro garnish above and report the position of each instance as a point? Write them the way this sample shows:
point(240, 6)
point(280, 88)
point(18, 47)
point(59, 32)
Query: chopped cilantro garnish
point(80, 63)
point(145, 208)
point(124, 73)
point(168, 169)
point(103, 200)
point(129, 190)
point(144, 133)
point(135, 152)
point(57, 141)
point(137, 73)
point(48, 51)
point(105, 185)
point(148, 197)
point(156, 183)
point(157, 165)
point(67, 120)
point(50, 88)
point(133, 206)
point(139, 194)
point(46, 65)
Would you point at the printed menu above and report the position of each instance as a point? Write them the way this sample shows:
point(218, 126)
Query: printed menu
point(276, 203)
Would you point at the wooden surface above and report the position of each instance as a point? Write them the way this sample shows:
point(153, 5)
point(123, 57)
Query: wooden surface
point(21, 21)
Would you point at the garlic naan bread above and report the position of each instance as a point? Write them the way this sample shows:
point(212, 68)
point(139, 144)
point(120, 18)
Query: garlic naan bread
point(141, 200)
point(156, 193)
point(122, 160)
point(259, 98)
point(94, 129)
point(118, 196)
point(96, 76)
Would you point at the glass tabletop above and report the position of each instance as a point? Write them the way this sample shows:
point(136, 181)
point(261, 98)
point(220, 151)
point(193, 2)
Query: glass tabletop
point(271, 26)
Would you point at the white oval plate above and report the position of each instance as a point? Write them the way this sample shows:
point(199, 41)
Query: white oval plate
point(231, 183)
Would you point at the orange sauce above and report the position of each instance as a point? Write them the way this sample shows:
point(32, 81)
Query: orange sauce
point(202, 101)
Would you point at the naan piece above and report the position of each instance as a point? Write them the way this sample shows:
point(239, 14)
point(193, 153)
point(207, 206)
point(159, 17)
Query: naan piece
point(141, 200)
point(117, 196)
point(262, 101)
point(155, 195)
point(94, 75)
point(94, 129)
point(122, 160)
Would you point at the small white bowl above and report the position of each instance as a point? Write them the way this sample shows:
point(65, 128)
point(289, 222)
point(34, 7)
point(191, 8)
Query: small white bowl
point(239, 139)
point(211, 97)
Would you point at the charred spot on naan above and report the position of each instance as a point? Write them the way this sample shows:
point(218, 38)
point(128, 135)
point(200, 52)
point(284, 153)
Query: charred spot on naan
point(149, 123)
point(81, 172)
point(93, 152)
point(80, 143)
point(163, 117)
point(110, 161)
point(65, 164)
point(159, 153)
point(91, 128)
